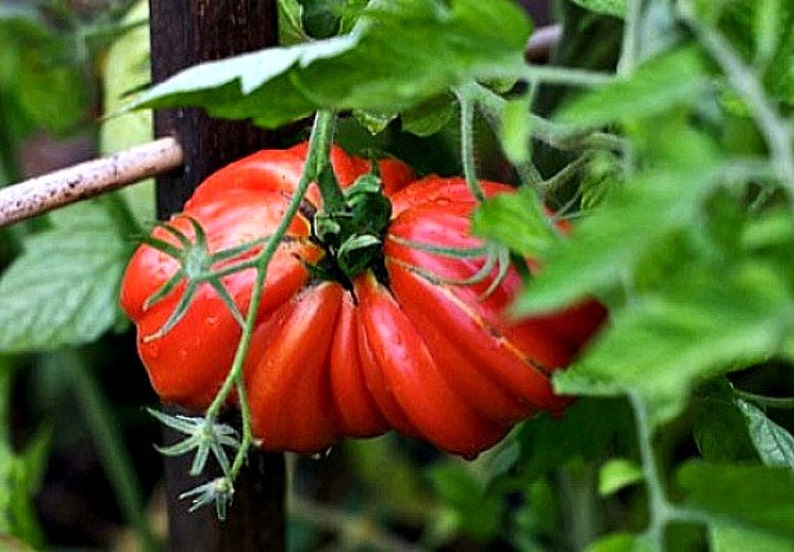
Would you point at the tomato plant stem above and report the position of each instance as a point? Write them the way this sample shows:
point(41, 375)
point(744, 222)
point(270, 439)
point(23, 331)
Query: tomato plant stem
point(660, 510)
point(777, 131)
point(554, 134)
point(317, 161)
point(319, 164)
point(566, 76)
point(467, 143)
point(245, 443)
point(632, 36)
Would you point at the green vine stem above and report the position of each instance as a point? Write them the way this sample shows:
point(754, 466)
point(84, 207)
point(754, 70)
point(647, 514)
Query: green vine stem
point(563, 137)
point(559, 136)
point(467, 143)
point(776, 129)
point(784, 403)
point(632, 33)
point(317, 162)
point(662, 512)
point(659, 508)
point(565, 76)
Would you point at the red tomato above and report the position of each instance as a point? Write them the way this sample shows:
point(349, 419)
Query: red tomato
point(404, 346)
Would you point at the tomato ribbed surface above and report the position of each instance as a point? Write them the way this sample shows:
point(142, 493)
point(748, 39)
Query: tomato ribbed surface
point(411, 345)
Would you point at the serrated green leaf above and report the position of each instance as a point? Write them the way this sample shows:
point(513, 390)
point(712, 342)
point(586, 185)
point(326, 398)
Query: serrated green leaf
point(666, 81)
point(605, 247)
point(665, 343)
point(290, 22)
point(774, 444)
point(516, 221)
point(616, 474)
point(436, 44)
point(756, 498)
point(62, 289)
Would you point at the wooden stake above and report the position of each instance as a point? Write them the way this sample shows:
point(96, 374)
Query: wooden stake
point(184, 33)
point(44, 193)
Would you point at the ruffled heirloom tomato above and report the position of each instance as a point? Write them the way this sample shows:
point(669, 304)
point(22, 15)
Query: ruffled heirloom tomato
point(410, 344)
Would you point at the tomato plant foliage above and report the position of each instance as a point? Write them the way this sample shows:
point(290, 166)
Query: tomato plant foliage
point(683, 172)
point(663, 130)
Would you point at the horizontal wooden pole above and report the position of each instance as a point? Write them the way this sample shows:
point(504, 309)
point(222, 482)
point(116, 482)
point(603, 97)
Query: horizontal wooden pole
point(41, 194)
point(47, 192)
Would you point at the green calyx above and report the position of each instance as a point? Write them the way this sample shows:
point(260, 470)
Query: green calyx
point(352, 233)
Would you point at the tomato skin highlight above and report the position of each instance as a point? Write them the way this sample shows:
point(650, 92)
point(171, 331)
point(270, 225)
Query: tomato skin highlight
point(287, 381)
point(410, 345)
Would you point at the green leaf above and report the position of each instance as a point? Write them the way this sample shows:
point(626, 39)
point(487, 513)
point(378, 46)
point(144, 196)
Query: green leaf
point(666, 81)
point(758, 499)
point(616, 474)
point(719, 428)
point(730, 538)
point(515, 130)
point(400, 53)
point(619, 542)
point(127, 68)
point(28, 474)
point(21, 473)
point(616, 8)
point(517, 221)
point(55, 96)
point(373, 121)
point(604, 249)
point(774, 444)
point(476, 513)
point(430, 116)
point(40, 77)
point(290, 22)
point(665, 343)
point(62, 289)
point(589, 429)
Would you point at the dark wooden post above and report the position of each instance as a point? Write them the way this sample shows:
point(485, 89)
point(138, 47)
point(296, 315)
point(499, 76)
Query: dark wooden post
point(183, 33)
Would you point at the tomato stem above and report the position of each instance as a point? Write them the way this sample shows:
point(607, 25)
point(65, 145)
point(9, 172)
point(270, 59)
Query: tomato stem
point(317, 163)
point(467, 143)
